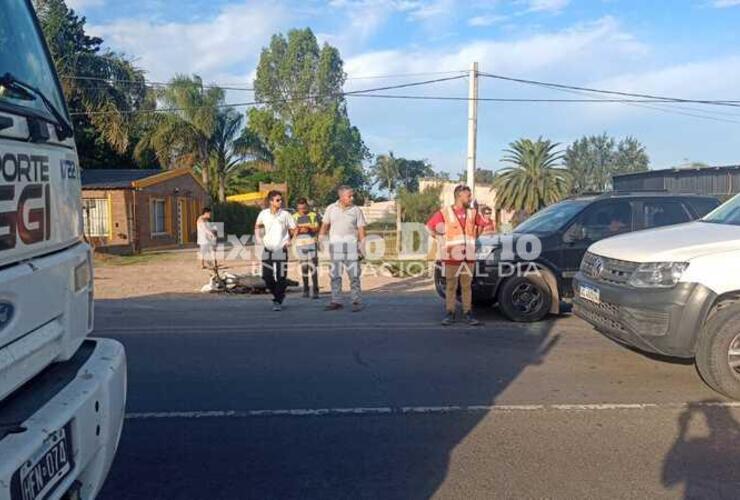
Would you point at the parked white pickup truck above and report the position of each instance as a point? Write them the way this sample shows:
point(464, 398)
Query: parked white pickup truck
point(673, 291)
point(62, 395)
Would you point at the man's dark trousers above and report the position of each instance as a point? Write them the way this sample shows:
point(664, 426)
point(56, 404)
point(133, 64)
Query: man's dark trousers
point(310, 267)
point(275, 272)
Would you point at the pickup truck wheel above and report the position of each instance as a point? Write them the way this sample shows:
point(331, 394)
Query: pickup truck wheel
point(718, 351)
point(524, 298)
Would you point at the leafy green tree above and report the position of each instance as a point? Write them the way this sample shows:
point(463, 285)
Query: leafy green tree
point(593, 160)
point(631, 157)
point(411, 171)
point(534, 179)
point(482, 176)
point(391, 173)
point(418, 206)
point(385, 172)
point(304, 120)
point(184, 135)
point(99, 82)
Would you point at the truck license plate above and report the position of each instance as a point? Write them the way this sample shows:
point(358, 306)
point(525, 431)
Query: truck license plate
point(590, 293)
point(43, 472)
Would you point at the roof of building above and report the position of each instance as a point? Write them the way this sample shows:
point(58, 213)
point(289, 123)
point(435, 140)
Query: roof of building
point(114, 178)
point(119, 178)
point(683, 170)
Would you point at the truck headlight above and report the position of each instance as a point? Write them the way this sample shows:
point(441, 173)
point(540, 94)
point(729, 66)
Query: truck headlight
point(83, 275)
point(658, 274)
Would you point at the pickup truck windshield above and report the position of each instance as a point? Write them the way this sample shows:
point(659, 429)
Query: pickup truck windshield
point(551, 218)
point(22, 55)
point(727, 213)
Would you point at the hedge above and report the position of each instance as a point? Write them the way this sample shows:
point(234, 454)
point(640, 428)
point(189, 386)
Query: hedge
point(237, 218)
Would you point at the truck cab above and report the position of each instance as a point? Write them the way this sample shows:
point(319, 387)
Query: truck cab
point(671, 291)
point(528, 287)
point(62, 395)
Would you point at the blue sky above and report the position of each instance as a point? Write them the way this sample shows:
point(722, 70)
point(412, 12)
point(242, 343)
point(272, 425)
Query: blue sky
point(682, 48)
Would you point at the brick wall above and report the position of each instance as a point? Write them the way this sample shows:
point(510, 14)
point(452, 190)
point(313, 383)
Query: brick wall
point(183, 189)
point(118, 239)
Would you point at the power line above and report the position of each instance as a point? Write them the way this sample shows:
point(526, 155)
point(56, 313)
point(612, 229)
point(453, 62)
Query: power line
point(236, 86)
point(733, 103)
point(672, 110)
point(275, 101)
point(638, 100)
point(403, 75)
point(509, 99)
point(145, 83)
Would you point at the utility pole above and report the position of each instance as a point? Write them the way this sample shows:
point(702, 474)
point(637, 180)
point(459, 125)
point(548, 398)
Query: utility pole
point(472, 124)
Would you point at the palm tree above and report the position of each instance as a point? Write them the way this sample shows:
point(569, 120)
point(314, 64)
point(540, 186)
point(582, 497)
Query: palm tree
point(183, 133)
point(386, 172)
point(534, 180)
point(235, 148)
point(223, 158)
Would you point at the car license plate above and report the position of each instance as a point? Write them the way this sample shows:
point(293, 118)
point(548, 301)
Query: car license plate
point(590, 293)
point(43, 472)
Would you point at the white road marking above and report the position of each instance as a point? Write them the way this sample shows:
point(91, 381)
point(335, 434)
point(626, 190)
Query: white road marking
point(425, 410)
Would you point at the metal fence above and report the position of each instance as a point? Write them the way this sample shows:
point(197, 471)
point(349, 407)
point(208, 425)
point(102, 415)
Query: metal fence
point(95, 216)
point(722, 182)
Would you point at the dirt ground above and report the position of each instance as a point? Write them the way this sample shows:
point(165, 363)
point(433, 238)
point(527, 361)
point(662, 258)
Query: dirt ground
point(179, 272)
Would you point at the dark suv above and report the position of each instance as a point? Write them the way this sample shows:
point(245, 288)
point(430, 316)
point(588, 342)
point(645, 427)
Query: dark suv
point(527, 290)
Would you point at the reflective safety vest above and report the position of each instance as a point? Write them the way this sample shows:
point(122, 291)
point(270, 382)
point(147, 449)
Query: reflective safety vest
point(311, 221)
point(459, 239)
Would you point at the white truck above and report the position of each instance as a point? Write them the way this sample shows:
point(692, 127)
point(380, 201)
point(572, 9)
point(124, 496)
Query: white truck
point(673, 291)
point(62, 395)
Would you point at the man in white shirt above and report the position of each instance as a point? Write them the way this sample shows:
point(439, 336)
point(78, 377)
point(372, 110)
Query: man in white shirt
point(345, 224)
point(273, 230)
point(206, 239)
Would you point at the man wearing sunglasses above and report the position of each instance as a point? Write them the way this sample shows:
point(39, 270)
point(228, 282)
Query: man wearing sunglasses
point(273, 230)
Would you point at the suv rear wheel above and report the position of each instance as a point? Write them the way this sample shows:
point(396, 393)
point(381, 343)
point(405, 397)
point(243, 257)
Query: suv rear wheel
point(718, 350)
point(524, 298)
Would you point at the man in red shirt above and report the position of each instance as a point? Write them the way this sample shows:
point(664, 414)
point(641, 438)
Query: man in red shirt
point(456, 228)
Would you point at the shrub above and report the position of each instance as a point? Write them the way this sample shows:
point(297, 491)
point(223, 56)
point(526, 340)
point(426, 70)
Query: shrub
point(418, 207)
point(237, 218)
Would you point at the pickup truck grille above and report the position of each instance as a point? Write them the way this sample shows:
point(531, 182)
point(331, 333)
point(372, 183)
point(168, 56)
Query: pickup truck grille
point(613, 271)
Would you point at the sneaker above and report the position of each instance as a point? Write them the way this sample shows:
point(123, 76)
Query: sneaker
point(357, 307)
point(448, 319)
point(276, 306)
point(470, 319)
point(305, 293)
point(333, 306)
point(315, 294)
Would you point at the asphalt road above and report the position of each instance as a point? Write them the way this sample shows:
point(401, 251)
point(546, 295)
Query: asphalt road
point(228, 399)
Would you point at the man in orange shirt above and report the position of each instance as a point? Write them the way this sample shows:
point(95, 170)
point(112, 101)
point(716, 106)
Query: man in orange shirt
point(456, 228)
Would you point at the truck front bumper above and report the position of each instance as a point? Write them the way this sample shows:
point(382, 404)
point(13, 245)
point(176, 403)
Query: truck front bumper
point(85, 396)
point(660, 321)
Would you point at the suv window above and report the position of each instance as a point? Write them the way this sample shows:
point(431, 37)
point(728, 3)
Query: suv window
point(656, 213)
point(607, 219)
point(702, 206)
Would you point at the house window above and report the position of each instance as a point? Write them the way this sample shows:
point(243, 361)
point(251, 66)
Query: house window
point(95, 216)
point(158, 217)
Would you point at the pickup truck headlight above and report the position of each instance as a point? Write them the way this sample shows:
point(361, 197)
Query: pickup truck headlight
point(658, 274)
